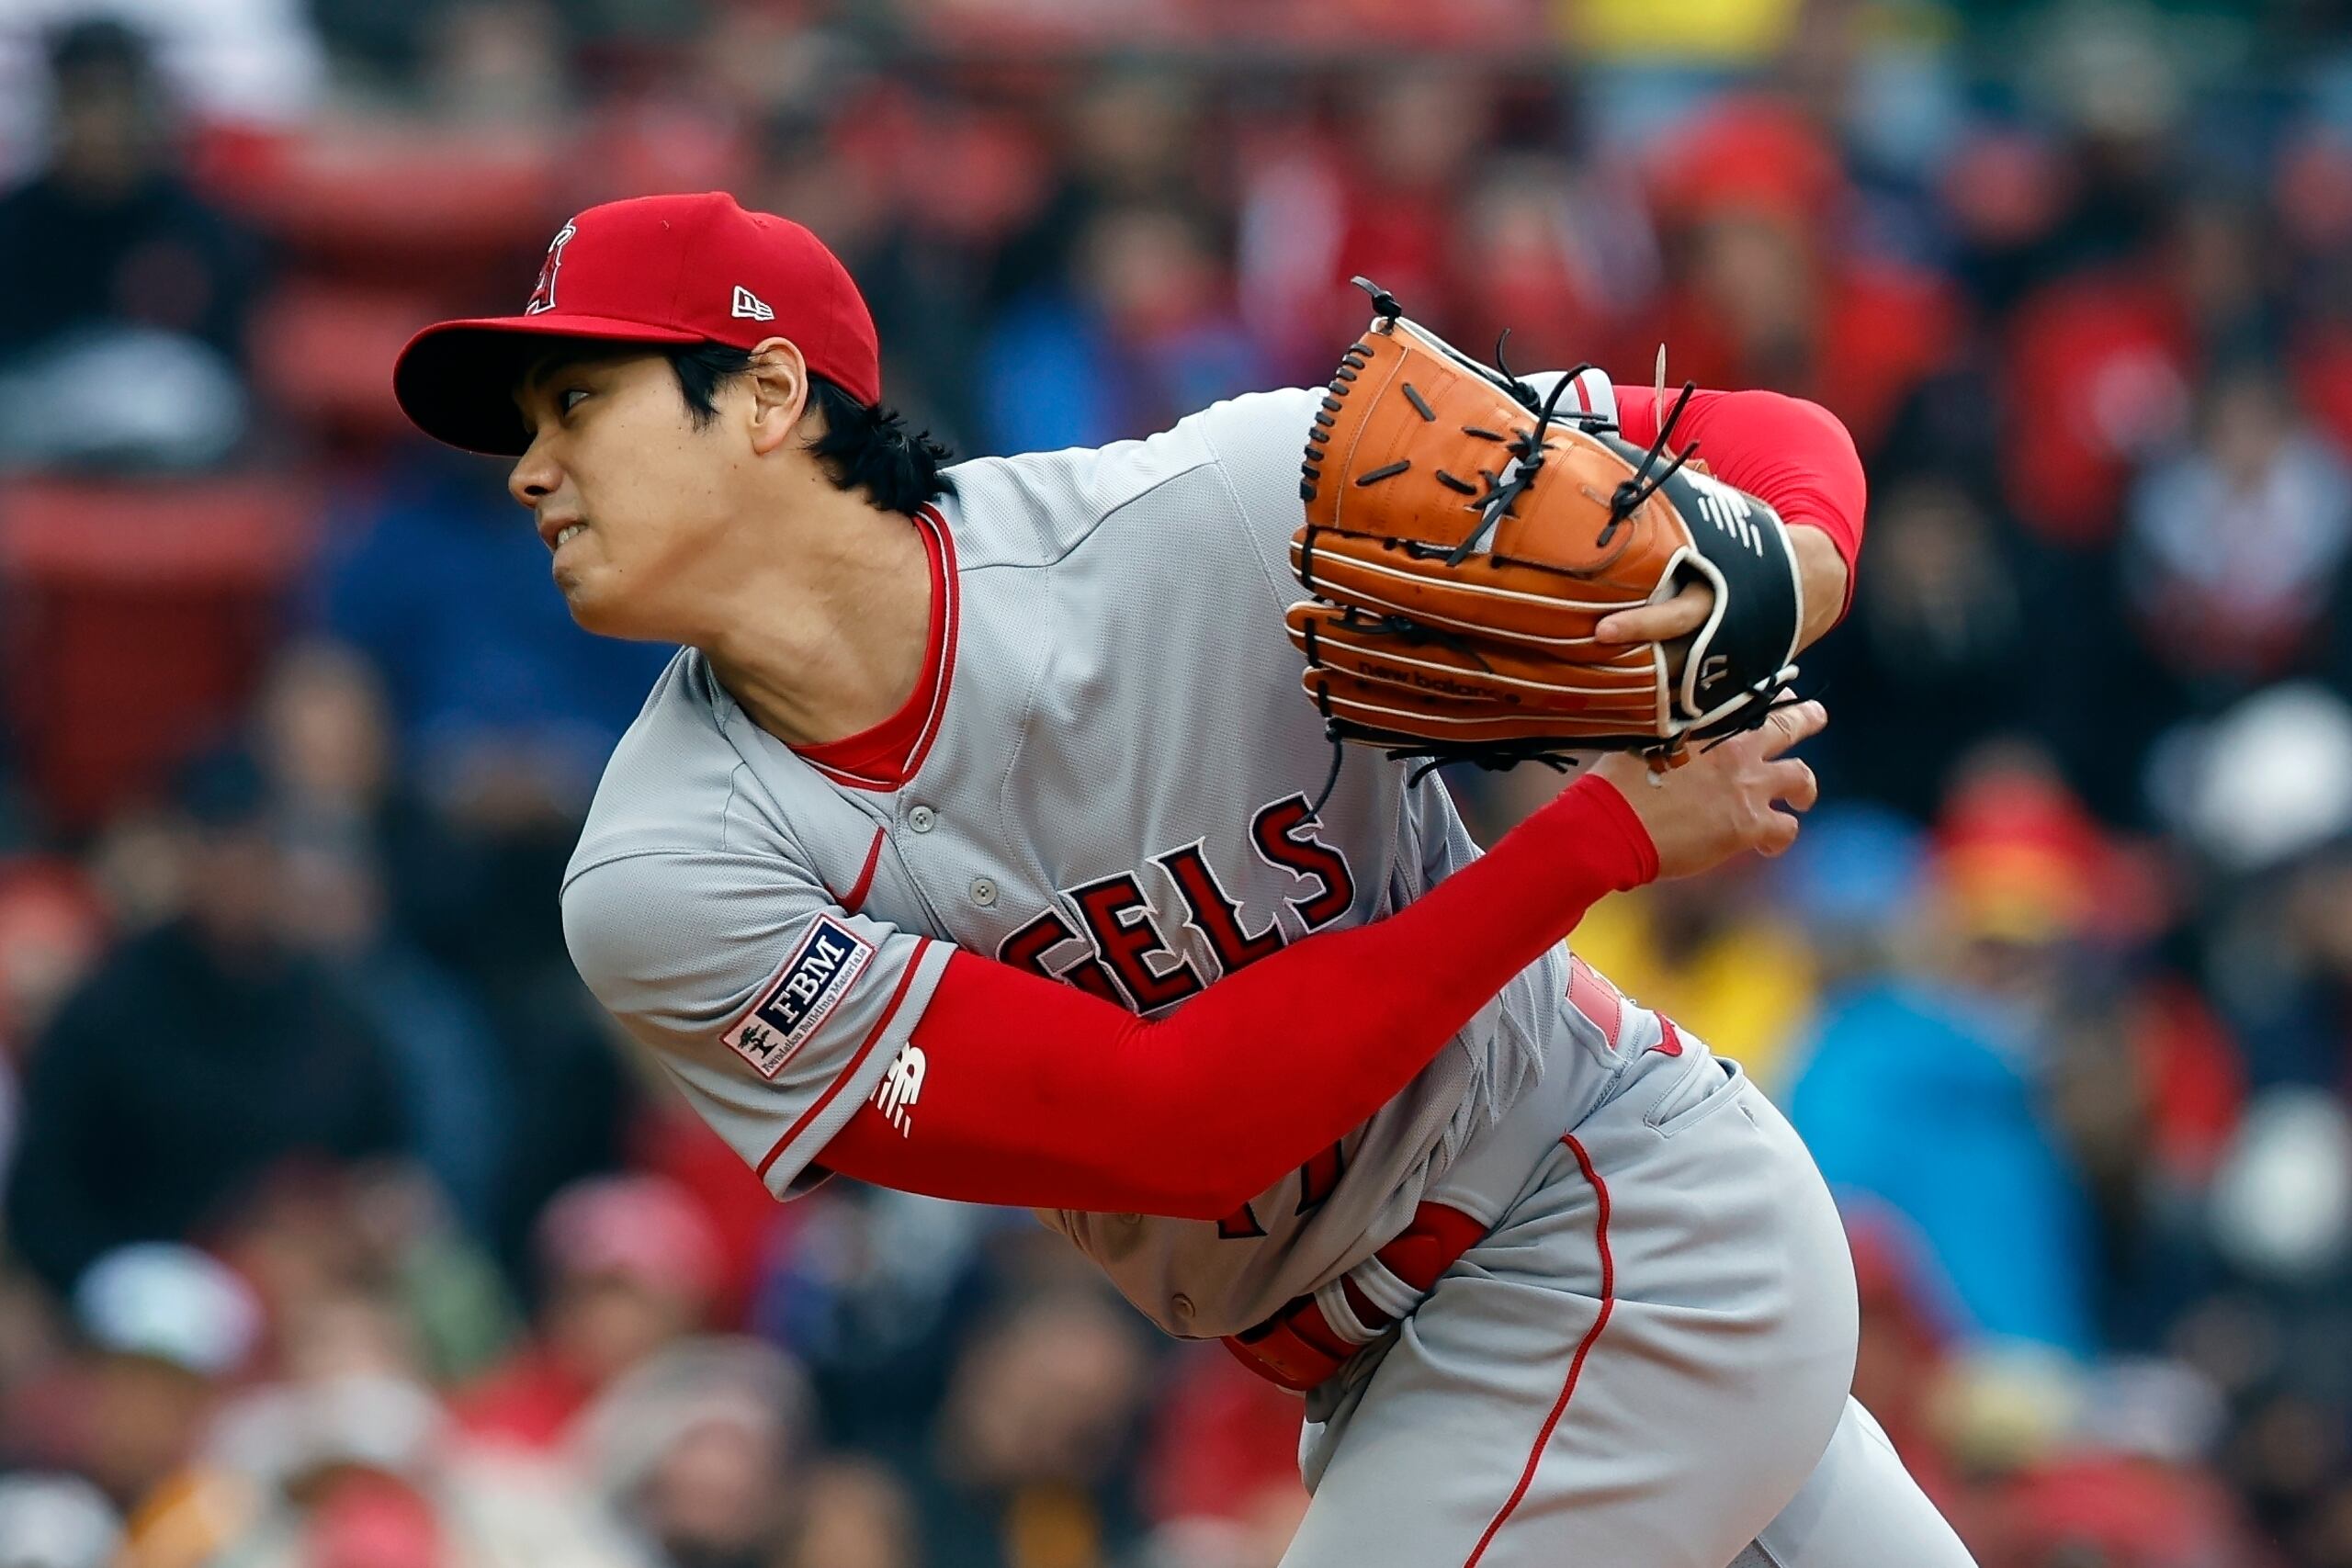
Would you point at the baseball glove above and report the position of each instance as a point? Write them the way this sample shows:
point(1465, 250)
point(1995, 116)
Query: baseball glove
point(1463, 539)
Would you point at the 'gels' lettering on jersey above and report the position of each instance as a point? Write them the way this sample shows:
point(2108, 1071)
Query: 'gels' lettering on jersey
point(813, 982)
point(1124, 934)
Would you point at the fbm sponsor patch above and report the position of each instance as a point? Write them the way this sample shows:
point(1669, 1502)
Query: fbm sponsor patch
point(812, 984)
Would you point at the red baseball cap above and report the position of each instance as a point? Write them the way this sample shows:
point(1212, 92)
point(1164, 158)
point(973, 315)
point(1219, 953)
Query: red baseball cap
point(656, 269)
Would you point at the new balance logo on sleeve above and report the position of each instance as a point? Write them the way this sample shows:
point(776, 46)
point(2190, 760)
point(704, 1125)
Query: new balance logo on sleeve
point(895, 1095)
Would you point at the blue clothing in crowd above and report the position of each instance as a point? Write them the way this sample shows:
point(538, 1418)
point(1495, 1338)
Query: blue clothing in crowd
point(445, 586)
point(1918, 1098)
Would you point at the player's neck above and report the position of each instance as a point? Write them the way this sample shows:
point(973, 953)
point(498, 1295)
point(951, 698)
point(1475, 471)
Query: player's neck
point(823, 630)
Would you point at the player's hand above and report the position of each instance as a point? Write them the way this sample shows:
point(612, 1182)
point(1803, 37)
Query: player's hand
point(1671, 621)
point(1727, 798)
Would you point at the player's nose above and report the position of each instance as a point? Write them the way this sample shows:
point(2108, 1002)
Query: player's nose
point(533, 478)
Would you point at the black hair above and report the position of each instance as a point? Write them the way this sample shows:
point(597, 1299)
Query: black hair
point(864, 448)
point(98, 44)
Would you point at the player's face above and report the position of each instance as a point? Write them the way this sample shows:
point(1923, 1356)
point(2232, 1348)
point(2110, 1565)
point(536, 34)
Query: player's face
point(627, 490)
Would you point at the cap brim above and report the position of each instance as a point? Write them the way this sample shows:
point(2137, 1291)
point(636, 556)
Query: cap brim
point(455, 380)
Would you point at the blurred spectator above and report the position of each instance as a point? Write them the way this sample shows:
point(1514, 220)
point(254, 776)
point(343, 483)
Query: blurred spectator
point(1986, 1181)
point(627, 1267)
point(1717, 957)
point(52, 930)
point(1148, 335)
point(503, 711)
point(1380, 199)
point(2234, 549)
point(854, 1513)
point(364, 1269)
point(1411, 142)
point(1561, 259)
point(2266, 784)
point(2113, 355)
point(1940, 652)
point(871, 1291)
point(252, 64)
point(357, 1471)
point(2105, 365)
point(1221, 1472)
point(2282, 1198)
point(1758, 295)
point(2263, 794)
point(55, 1521)
point(140, 1120)
point(1135, 139)
point(699, 1449)
point(2100, 1508)
point(441, 586)
point(164, 1328)
point(1032, 1440)
point(359, 852)
point(123, 295)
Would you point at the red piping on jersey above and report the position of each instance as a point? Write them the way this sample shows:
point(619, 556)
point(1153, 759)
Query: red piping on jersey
point(865, 1047)
point(886, 755)
point(865, 883)
point(1575, 1366)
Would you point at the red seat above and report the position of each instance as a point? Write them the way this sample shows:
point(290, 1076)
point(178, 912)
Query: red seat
point(137, 618)
point(322, 354)
point(385, 200)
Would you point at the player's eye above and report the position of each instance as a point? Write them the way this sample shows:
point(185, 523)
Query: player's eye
point(563, 404)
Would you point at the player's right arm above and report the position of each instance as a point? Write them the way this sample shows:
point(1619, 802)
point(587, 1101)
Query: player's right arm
point(1035, 1094)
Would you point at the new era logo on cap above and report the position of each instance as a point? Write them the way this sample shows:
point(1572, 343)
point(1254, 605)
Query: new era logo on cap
point(749, 307)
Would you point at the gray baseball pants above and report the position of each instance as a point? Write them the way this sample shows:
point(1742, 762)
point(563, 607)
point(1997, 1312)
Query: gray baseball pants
point(1643, 1364)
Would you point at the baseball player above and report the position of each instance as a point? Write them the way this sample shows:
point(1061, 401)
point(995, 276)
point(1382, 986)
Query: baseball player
point(969, 846)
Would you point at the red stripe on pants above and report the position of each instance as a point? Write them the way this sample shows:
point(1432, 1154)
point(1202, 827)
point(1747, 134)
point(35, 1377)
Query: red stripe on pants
point(1575, 1366)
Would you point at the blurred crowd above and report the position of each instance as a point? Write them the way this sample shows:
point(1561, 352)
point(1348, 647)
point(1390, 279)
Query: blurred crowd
point(339, 1228)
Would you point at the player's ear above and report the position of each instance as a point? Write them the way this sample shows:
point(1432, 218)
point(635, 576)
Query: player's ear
point(779, 383)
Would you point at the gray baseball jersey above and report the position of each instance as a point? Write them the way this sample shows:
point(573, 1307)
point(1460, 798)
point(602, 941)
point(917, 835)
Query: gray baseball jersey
point(1113, 789)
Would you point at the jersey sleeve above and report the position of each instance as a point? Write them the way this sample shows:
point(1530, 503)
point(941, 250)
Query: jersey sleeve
point(1593, 392)
point(1258, 443)
point(774, 1009)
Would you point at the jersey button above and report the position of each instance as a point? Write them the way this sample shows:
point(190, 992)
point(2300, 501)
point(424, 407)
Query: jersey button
point(983, 892)
point(921, 818)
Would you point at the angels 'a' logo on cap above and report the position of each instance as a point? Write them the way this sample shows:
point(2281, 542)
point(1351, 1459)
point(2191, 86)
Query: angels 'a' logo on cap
point(543, 292)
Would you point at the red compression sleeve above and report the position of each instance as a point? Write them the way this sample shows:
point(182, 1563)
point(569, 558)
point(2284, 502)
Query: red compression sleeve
point(1794, 455)
point(1039, 1095)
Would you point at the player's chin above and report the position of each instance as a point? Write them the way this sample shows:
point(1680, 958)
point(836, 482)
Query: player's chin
point(592, 605)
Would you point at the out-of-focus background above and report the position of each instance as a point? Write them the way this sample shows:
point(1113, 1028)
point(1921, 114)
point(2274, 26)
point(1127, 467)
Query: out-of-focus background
point(340, 1232)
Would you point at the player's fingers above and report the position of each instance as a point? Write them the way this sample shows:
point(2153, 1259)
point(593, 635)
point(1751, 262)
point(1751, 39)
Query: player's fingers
point(1794, 785)
point(1795, 722)
point(1779, 832)
point(1678, 616)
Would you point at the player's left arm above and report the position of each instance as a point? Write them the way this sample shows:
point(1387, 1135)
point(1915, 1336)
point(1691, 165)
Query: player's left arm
point(1793, 455)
